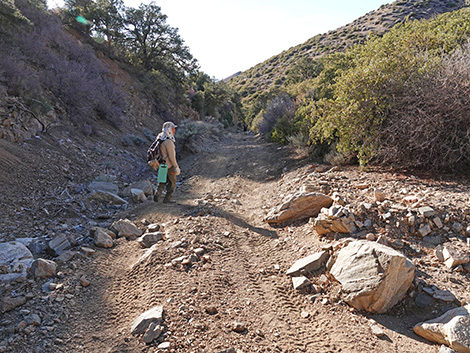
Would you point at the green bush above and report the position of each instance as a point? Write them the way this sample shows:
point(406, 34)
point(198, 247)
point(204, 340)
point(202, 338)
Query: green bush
point(362, 87)
point(190, 130)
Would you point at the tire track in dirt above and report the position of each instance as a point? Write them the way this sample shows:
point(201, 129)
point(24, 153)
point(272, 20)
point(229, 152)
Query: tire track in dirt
point(265, 291)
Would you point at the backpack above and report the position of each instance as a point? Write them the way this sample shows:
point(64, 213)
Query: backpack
point(154, 154)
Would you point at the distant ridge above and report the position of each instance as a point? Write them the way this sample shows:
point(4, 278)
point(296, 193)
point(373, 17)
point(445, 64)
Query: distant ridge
point(272, 72)
point(232, 76)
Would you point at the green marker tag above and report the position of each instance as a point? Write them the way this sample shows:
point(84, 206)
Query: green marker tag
point(82, 19)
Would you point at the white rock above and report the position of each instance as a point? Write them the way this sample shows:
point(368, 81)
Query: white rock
point(299, 206)
point(149, 239)
point(426, 211)
point(309, 263)
point(451, 329)
point(15, 260)
point(164, 345)
point(373, 277)
point(138, 195)
point(300, 282)
point(454, 257)
point(144, 185)
point(126, 228)
point(142, 323)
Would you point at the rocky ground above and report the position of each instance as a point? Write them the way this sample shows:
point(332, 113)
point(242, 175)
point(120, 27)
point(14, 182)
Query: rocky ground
point(219, 270)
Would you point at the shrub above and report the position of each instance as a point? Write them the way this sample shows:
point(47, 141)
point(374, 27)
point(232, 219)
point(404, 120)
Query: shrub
point(369, 90)
point(429, 127)
point(46, 62)
point(190, 131)
point(278, 108)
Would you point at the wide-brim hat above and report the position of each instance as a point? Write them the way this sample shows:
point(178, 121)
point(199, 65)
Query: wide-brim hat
point(169, 125)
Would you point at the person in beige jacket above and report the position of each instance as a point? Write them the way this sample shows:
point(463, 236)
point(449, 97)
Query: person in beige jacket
point(168, 151)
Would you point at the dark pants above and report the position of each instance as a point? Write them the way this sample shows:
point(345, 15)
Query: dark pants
point(170, 185)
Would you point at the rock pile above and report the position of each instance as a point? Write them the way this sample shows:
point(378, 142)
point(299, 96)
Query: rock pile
point(26, 279)
point(382, 224)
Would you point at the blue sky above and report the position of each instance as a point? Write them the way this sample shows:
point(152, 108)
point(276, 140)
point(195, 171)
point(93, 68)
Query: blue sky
point(227, 36)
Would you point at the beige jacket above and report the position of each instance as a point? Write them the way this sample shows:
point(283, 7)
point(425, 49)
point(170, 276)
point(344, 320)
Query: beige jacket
point(168, 151)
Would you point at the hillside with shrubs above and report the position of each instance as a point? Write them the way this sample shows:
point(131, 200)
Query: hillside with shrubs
point(100, 64)
point(396, 95)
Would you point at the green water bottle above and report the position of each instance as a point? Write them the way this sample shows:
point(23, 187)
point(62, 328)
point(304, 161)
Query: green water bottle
point(162, 173)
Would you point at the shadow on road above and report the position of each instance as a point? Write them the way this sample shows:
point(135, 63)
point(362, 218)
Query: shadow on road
point(235, 219)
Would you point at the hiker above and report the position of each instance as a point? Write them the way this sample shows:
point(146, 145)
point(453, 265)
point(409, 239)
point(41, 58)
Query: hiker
point(168, 152)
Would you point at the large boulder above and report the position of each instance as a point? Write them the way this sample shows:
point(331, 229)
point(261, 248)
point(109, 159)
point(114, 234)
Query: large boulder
point(373, 276)
point(299, 206)
point(452, 329)
point(15, 261)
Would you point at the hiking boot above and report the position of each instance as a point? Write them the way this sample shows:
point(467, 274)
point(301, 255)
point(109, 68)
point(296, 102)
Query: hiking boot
point(168, 201)
point(155, 198)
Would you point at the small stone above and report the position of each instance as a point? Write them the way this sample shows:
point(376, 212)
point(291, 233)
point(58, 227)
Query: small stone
point(9, 304)
point(398, 244)
point(305, 314)
point(382, 240)
point(445, 349)
point(437, 221)
point(154, 227)
point(103, 240)
point(238, 326)
point(34, 320)
point(153, 332)
point(456, 226)
point(164, 345)
point(86, 252)
point(199, 252)
point(444, 295)
point(411, 199)
point(377, 330)
point(454, 257)
point(425, 230)
point(211, 310)
point(43, 268)
point(379, 196)
point(423, 300)
point(300, 282)
point(439, 255)
point(66, 256)
point(84, 282)
point(370, 237)
point(142, 323)
point(426, 211)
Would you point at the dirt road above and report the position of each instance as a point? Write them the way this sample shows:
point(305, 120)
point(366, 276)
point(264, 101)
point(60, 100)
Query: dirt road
point(237, 294)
